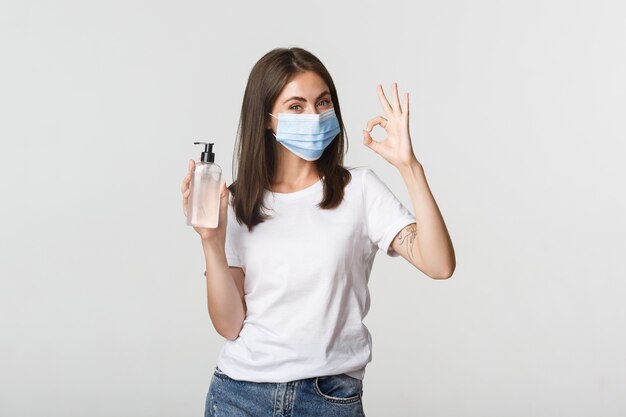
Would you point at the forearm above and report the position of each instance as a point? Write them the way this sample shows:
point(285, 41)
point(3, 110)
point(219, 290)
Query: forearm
point(224, 301)
point(433, 240)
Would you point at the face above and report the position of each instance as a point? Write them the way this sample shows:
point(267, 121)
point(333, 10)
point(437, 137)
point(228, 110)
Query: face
point(305, 93)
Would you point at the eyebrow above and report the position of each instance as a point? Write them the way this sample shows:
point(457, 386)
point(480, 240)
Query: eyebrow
point(303, 99)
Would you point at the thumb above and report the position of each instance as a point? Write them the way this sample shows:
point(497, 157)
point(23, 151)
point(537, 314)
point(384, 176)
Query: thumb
point(369, 141)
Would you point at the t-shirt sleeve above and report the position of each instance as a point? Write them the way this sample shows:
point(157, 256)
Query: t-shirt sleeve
point(232, 244)
point(385, 214)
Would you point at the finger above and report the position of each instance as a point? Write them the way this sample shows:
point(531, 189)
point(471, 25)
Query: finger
point(383, 101)
point(224, 194)
point(191, 165)
point(396, 100)
point(185, 183)
point(406, 104)
point(185, 202)
point(378, 120)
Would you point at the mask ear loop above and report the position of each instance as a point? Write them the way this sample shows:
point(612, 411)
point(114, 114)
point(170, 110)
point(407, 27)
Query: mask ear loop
point(274, 118)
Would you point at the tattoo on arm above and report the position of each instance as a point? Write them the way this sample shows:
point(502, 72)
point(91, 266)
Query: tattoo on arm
point(407, 237)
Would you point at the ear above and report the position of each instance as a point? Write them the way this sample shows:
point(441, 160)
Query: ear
point(268, 123)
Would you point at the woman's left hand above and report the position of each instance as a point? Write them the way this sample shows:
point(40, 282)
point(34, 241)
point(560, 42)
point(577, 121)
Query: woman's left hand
point(396, 148)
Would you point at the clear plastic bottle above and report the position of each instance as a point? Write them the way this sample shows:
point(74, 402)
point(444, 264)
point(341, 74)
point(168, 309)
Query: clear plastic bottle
point(204, 195)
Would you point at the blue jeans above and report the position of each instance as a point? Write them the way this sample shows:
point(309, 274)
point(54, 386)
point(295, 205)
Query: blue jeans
point(328, 396)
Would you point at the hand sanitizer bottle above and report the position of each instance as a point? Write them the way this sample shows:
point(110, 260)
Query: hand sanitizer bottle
point(204, 197)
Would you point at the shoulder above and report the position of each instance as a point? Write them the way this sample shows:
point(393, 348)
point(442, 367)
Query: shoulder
point(365, 177)
point(360, 173)
point(232, 223)
point(357, 179)
point(357, 169)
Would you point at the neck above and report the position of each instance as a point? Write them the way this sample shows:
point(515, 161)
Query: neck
point(293, 171)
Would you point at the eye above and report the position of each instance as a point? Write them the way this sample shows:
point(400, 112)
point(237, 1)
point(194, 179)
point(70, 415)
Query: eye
point(325, 100)
point(295, 105)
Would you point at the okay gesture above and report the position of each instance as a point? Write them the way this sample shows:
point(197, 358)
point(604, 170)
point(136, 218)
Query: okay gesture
point(396, 148)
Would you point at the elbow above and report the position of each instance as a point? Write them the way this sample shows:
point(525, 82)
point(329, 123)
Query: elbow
point(440, 277)
point(228, 325)
point(230, 337)
point(443, 274)
point(231, 332)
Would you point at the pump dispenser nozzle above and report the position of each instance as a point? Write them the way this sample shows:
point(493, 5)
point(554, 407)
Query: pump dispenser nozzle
point(204, 197)
point(207, 155)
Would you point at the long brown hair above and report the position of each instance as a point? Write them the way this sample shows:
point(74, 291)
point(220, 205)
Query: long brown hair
point(256, 150)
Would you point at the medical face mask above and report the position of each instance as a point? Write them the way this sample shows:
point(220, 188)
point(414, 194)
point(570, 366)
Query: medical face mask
point(307, 135)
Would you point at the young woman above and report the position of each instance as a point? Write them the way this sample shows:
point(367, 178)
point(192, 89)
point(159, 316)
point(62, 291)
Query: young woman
point(288, 266)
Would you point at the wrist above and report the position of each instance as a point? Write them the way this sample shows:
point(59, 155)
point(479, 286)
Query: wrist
point(410, 166)
point(212, 245)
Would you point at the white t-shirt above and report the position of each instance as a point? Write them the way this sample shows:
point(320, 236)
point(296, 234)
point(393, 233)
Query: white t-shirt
point(306, 275)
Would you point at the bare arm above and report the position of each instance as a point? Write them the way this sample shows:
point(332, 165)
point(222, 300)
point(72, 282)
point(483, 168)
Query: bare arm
point(404, 243)
point(225, 298)
point(426, 244)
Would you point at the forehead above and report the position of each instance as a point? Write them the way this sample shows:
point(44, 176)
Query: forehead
point(305, 84)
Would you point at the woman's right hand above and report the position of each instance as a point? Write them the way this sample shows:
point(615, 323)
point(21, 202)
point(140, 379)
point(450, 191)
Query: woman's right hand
point(215, 235)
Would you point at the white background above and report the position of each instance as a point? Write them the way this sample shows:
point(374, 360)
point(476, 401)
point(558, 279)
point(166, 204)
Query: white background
point(517, 115)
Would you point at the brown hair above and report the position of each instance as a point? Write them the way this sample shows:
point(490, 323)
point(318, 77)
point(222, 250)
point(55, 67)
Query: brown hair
point(255, 147)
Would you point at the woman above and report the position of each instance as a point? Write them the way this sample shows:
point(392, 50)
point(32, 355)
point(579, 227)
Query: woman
point(288, 265)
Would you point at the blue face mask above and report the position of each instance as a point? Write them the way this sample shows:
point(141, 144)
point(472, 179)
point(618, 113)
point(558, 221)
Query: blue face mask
point(307, 135)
